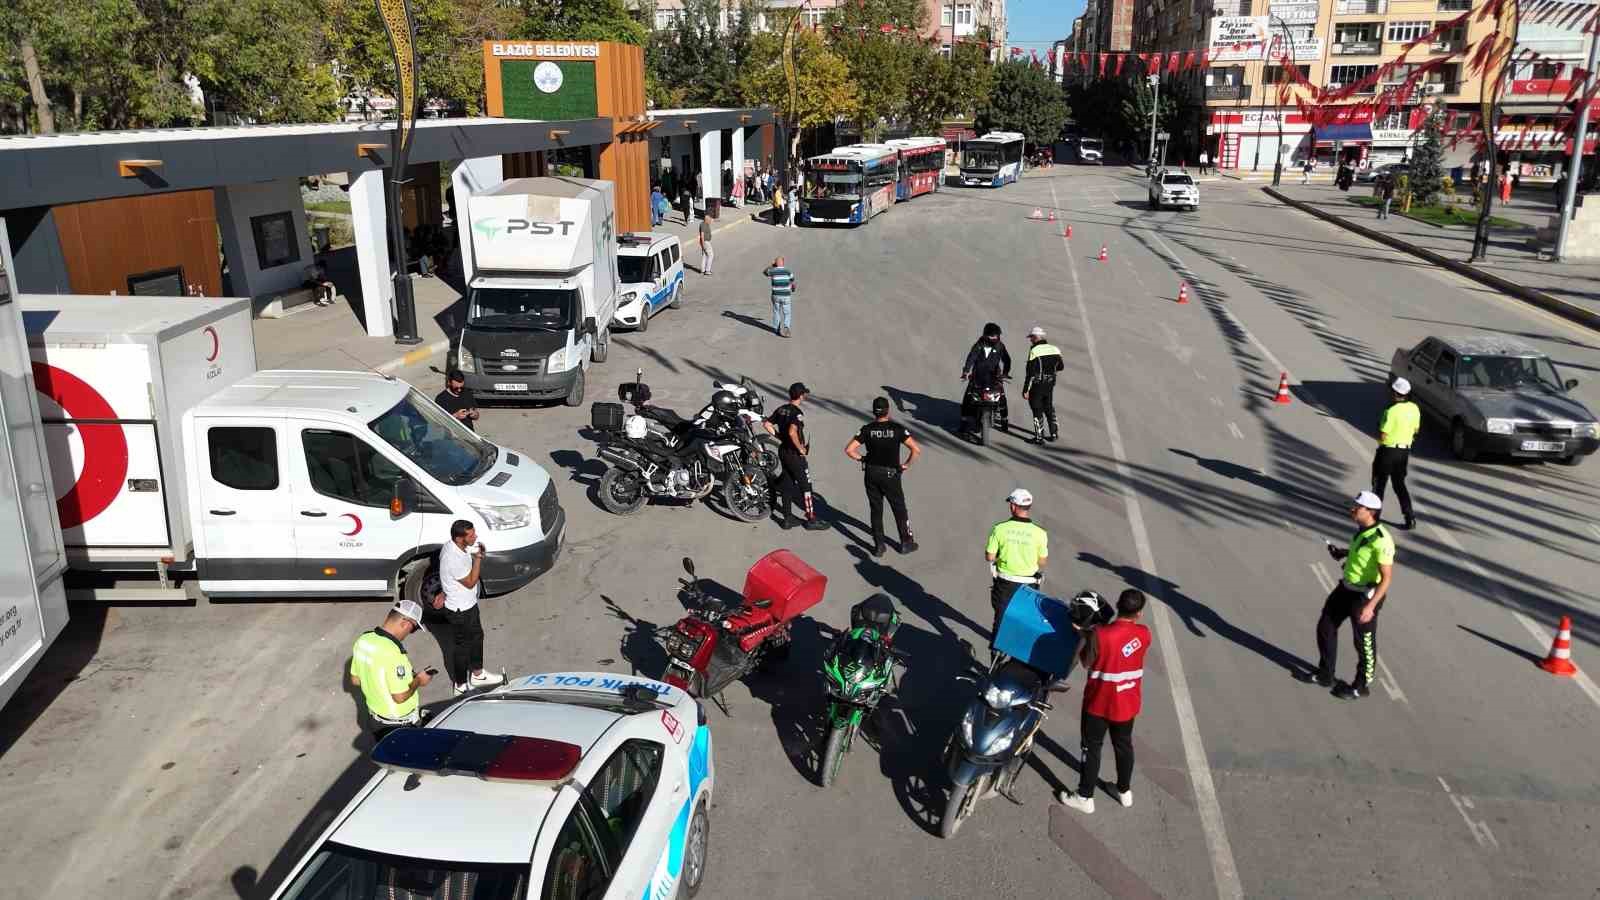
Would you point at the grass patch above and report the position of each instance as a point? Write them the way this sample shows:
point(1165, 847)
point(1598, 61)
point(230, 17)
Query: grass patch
point(1439, 215)
point(331, 206)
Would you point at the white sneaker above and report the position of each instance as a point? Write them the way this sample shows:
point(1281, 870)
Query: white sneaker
point(486, 678)
point(1125, 798)
point(461, 689)
point(1080, 803)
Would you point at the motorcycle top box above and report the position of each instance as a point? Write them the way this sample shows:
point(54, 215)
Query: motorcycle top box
point(606, 416)
point(1037, 630)
point(787, 581)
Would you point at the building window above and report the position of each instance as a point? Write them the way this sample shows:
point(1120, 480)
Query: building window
point(1357, 32)
point(946, 17)
point(1454, 5)
point(1545, 70)
point(1453, 39)
point(1401, 32)
point(814, 17)
point(963, 13)
point(1277, 75)
point(944, 51)
point(1341, 76)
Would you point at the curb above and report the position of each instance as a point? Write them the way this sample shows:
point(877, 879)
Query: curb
point(412, 358)
point(1570, 311)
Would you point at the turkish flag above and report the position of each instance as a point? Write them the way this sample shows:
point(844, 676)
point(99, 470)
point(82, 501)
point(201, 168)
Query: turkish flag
point(1155, 62)
point(1172, 63)
point(1188, 60)
point(1205, 58)
point(1102, 65)
point(1016, 52)
point(1121, 58)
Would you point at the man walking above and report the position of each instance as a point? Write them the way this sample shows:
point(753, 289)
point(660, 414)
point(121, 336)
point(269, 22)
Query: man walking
point(1359, 595)
point(456, 400)
point(1385, 194)
point(707, 254)
point(782, 283)
point(1397, 428)
point(882, 467)
point(381, 670)
point(1306, 165)
point(460, 577)
point(1017, 551)
point(1039, 385)
point(794, 485)
point(791, 206)
point(1113, 655)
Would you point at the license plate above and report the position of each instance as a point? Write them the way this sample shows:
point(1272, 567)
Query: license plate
point(1545, 446)
point(510, 387)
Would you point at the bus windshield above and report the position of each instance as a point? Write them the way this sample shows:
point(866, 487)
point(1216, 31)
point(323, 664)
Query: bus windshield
point(833, 185)
point(982, 158)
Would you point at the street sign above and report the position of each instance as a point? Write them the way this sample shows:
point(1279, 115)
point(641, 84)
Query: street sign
point(1162, 135)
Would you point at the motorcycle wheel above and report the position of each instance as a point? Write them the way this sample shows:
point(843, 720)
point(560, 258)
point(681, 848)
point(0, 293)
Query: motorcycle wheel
point(752, 502)
point(985, 421)
point(833, 753)
point(622, 492)
point(963, 798)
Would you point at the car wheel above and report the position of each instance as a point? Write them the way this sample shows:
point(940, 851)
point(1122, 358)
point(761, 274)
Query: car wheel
point(575, 395)
point(1572, 460)
point(1461, 442)
point(602, 346)
point(644, 319)
point(696, 851)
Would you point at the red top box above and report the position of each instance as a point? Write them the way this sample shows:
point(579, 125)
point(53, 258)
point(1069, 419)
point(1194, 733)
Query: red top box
point(786, 580)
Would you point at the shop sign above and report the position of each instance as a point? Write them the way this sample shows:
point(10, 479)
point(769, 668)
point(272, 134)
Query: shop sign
point(1296, 13)
point(1238, 37)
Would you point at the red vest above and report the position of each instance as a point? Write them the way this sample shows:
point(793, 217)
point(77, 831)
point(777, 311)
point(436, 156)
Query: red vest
point(1112, 692)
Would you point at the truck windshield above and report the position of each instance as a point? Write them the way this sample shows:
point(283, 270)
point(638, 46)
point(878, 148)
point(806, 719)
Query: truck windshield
point(635, 269)
point(836, 185)
point(542, 309)
point(434, 440)
point(1508, 373)
point(338, 871)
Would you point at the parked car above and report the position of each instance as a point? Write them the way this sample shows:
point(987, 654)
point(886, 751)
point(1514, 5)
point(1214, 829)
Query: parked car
point(1370, 174)
point(1173, 187)
point(1090, 151)
point(650, 276)
point(1498, 395)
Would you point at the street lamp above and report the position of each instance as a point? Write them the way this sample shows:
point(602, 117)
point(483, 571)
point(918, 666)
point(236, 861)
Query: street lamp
point(401, 28)
point(1154, 80)
point(1277, 105)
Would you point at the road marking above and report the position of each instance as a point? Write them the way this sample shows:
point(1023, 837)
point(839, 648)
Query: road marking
point(1595, 528)
point(1223, 868)
point(1479, 828)
point(1386, 679)
point(1236, 432)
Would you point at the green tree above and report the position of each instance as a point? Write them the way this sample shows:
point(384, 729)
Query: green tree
point(449, 48)
point(821, 89)
point(579, 20)
point(879, 41)
point(1427, 159)
point(945, 88)
point(697, 62)
point(264, 60)
point(1138, 97)
point(1025, 99)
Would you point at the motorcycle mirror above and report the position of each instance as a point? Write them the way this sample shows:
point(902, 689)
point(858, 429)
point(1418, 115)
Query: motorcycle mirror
point(688, 566)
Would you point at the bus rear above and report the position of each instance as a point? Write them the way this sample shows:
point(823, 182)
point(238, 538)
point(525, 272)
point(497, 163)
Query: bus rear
point(921, 165)
point(993, 160)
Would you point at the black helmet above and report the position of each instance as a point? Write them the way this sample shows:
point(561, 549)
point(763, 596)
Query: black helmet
point(725, 402)
point(1089, 609)
point(991, 330)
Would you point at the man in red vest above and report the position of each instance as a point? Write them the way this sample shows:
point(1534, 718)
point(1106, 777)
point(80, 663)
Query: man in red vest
point(1113, 655)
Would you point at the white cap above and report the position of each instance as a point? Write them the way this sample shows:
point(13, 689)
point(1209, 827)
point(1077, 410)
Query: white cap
point(411, 610)
point(1369, 500)
point(1401, 386)
point(1020, 497)
point(1036, 331)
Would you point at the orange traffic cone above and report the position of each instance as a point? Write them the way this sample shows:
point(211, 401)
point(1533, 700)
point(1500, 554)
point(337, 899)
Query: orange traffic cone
point(1283, 389)
point(1183, 292)
point(1559, 662)
point(1069, 231)
point(1103, 255)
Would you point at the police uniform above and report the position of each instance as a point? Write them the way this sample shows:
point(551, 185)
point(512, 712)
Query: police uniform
point(379, 661)
point(794, 484)
point(1044, 361)
point(1018, 545)
point(881, 470)
point(1369, 549)
point(1396, 430)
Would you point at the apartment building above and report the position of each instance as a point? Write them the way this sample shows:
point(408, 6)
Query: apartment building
point(1534, 98)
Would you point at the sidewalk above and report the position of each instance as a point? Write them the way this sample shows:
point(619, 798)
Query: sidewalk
point(1570, 289)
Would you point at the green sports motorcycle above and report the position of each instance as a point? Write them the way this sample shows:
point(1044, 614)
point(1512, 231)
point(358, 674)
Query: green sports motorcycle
point(858, 671)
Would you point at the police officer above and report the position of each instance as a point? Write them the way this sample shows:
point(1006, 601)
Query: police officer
point(1017, 550)
point(1039, 385)
point(380, 668)
point(1359, 595)
point(882, 466)
point(1396, 430)
point(794, 485)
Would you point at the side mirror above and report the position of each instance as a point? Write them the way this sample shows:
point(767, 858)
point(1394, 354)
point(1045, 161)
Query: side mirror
point(688, 566)
point(1572, 383)
point(404, 499)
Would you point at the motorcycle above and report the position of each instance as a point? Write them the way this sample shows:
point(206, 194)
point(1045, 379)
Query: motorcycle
point(857, 672)
point(988, 401)
point(751, 414)
point(716, 644)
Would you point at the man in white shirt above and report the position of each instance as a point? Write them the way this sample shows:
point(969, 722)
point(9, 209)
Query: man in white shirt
point(460, 568)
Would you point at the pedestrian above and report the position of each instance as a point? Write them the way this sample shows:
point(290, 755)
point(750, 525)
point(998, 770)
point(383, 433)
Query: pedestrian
point(1113, 655)
point(791, 206)
point(1306, 166)
point(782, 284)
point(1385, 194)
point(667, 183)
point(1039, 385)
point(1397, 428)
point(879, 443)
point(1205, 161)
point(794, 485)
point(656, 202)
point(777, 206)
point(1017, 551)
point(1359, 596)
point(456, 400)
point(1505, 188)
point(317, 280)
point(686, 196)
point(380, 669)
point(707, 254)
point(461, 581)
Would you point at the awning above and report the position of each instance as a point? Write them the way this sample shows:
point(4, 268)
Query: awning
point(1356, 133)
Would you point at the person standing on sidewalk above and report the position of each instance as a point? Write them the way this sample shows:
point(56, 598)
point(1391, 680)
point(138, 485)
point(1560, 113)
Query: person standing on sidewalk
point(1385, 195)
point(686, 197)
point(707, 254)
point(882, 467)
point(1113, 655)
point(1306, 166)
point(456, 400)
point(1505, 188)
point(1205, 161)
point(461, 580)
point(791, 206)
point(1397, 428)
point(657, 201)
point(380, 669)
point(783, 283)
point(1359, 595)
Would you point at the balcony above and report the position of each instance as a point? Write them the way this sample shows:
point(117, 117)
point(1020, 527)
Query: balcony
point(1368, 89)
point(1370, 7)
point(1227, 92)
point(1357, 48)
point(1448, 45)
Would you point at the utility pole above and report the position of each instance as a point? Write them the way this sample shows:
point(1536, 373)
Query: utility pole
point(1155, 106)
point(1575, 167)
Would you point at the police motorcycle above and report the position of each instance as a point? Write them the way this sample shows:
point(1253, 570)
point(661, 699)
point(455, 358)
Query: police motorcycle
point(751, 414)
point(686, 462)
point(857, 672)
point(991, 745)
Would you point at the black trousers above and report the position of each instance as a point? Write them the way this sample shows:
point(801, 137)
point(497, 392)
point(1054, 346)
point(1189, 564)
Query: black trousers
point(1343, 604)
point(1042, 401)
point(1390, 464)
point(1094, 730)
point(883, 483)
point(464, 654)
point(794, 485)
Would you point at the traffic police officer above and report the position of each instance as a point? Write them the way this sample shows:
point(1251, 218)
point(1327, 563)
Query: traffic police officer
point(1359, 595)
point(380, 668)
point(1017, 551)
point(1396, 430)
point(794, 485)
point(882, 466)
point(1039, 386)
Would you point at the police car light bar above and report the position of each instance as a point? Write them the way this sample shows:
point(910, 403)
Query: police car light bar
point(491, 757)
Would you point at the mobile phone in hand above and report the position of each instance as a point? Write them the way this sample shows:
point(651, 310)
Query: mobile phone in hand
point(430, 671)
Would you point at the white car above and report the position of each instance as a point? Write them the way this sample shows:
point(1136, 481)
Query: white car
point(565, 785)
point(650, 276)
point(1090, 150)
point(1173, 188)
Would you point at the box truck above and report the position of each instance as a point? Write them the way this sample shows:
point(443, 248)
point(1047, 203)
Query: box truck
point(544, 288)
point(172, 455)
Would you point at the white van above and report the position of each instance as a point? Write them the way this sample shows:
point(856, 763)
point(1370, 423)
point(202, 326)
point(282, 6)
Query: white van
point(650, 271)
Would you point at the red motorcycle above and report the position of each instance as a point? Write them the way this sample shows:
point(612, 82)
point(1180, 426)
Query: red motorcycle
point(717, 643)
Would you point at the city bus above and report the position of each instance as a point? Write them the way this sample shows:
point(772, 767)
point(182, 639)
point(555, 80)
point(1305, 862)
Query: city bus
point(993, 160)
point(850, 185)
point(921, 166)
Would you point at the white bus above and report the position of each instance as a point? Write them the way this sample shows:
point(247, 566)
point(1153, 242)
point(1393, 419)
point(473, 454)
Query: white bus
point(850, 185)
point(992, 160)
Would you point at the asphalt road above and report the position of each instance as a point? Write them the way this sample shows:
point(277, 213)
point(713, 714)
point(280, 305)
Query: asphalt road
point(190, 752)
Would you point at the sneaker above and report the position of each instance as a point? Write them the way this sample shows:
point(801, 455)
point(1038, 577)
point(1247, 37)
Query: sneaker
point(815, 525)
point(908, 547)
point(1313, 677)
point(784, 331)
point(785, 524)
point(461, 689)
point(1053, 438)
point(1351, 692)
point(1125, 798)
point(1078, 802)
point(1411, 523)
point(484, 679)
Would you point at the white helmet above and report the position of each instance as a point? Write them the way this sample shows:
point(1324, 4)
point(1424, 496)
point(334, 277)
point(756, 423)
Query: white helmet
point(636, 427)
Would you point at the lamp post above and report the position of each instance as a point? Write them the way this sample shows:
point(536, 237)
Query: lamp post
point(1575, 167)
point(1154, 80)
point(401, 28)
point(1277, 105)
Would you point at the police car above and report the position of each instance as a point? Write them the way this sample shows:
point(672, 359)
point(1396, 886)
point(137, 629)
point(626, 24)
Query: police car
point(566, 785)
point(650, 276)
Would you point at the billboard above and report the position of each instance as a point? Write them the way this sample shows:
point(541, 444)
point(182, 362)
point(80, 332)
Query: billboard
point(1238, 37)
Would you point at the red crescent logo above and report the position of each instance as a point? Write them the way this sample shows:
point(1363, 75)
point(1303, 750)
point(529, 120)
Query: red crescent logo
point(353, 518)
point(105, 447)
point(216, 345)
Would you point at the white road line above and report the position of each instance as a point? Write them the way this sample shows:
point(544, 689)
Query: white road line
point(1386, 679)
point(1595, 528)
point(1236, 432)
point(1478, 828)
point(1223, 868)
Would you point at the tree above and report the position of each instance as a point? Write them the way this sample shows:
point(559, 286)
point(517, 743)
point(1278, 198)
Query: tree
point(697, 62)
point(942, 88)
point(579, 20)
point(878, 40)
point(1027, 100)
point(264, 61)
point(1138, 98)
point(821, 91)
point(1427, 160)
point(449, 55)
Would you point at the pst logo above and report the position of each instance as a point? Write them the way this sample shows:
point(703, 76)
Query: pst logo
point(488, 227)
point(1131, 647)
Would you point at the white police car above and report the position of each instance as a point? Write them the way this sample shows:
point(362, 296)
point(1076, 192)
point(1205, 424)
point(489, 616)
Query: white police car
point(561, 786)
point(650, 276)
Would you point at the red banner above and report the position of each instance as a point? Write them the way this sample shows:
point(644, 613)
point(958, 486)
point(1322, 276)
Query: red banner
point(1102, 65)
point(1121, 58)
